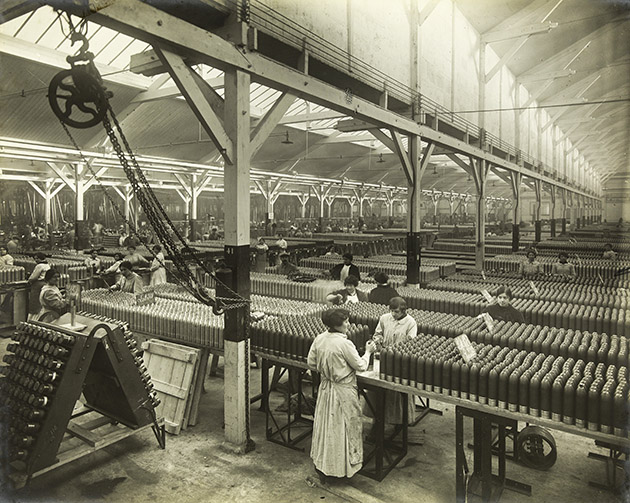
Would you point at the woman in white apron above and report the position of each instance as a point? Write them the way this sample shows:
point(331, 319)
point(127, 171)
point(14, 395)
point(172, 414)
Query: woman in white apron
point(158, 272)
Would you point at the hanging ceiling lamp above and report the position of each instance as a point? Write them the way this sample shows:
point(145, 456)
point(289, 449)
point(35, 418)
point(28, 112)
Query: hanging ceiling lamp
point(287, 140)
point(380, 159)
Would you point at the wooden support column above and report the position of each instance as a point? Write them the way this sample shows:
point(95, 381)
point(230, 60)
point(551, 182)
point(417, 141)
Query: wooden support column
point(435, 199)
point(194, 196)
point(47, 193)
point(321, 194)
point(186, 193)
point(237, 243)
point(578, 212)
point(537, 223)
point(565, 210)
point(451, 206)
point(480, 175)
point(197, 186)
point(515, 179)
point(303, 198)
point(552, 195)
point(417, 163)
point(270, 192)
point(81, 235)
point(351, 200)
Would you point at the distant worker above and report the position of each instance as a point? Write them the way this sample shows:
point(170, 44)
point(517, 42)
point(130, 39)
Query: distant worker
point(13, 244)
point(6, 260)
point(129, 282)
point(158, 271)
point(115, 267)
point(503, 310)
point(286, 268)
point(383, 293)
point(350, 294)
point(281, 242)
point(347, 268)
point(531, 267)
point(563, 267)
point(609, 253)
point(135, 258)
point(93, 263)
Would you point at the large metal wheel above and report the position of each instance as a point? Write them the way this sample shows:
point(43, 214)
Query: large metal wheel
point(536, 448)
point(77, 98)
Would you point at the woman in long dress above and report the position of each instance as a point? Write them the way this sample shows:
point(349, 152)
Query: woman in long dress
point(337, 447)
point(158, 272)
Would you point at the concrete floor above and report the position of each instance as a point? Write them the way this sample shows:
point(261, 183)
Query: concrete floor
point(194, 468)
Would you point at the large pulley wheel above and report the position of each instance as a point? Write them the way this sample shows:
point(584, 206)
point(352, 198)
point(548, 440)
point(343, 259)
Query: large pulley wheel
point(77, 98)
point(536, 448)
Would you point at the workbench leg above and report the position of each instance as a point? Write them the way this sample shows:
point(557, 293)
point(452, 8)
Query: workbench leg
point(486, 458)
point(213, 365)
point(460, 458)
point(380, 433)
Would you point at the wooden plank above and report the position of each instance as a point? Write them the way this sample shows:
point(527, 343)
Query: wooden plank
point(84, 434)
point(169, 389)
point(189, 396)
point(201, 376)
point(164, 348)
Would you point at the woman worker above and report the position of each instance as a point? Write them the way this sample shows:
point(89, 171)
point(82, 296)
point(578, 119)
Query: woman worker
point(503, 310)
point(130, 282)
point(337, 446)
point(394, 327)
point(383, 293)
point(158, 272)
point(350, 294)
point(6, 260)
point(52, 301)
point(563, 267)
point(36, 280)
point(115, 267)
point(531, 267)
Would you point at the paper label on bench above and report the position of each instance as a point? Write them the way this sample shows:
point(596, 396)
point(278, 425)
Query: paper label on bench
point(487, 296)
point(534, 289)
point(465, 348)
point(489, 322)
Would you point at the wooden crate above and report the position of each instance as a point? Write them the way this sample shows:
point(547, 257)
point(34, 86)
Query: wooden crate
point(173, 369)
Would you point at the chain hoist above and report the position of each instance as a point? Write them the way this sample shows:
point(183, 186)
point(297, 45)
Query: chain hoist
point(79, 99)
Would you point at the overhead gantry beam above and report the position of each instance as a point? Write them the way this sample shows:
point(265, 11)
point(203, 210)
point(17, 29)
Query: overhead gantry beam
point(141, 21)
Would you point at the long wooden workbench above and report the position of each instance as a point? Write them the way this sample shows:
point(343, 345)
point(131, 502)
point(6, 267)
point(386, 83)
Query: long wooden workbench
point(484, 417)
